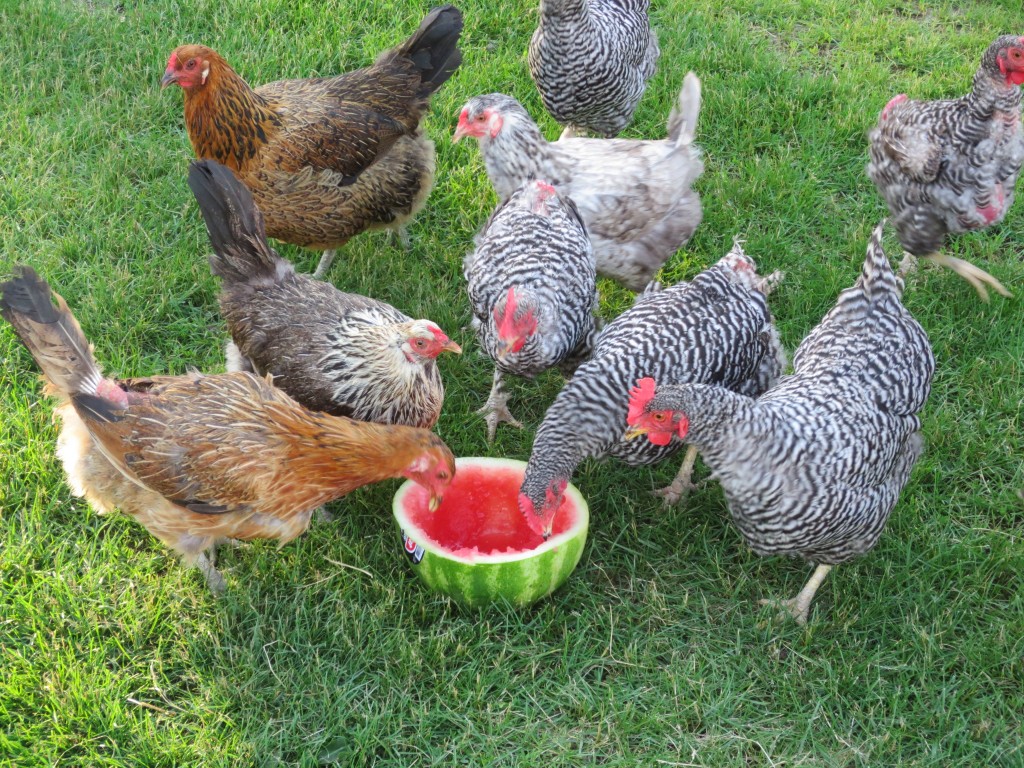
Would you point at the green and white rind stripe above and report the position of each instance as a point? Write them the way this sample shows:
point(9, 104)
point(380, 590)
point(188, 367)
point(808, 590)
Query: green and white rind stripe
point(520, 578)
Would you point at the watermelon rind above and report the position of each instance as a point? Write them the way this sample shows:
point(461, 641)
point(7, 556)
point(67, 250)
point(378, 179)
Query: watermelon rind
point(521, 578)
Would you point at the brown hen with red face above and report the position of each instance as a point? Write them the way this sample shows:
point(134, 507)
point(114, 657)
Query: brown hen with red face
point(198, 459)
point(325, 158)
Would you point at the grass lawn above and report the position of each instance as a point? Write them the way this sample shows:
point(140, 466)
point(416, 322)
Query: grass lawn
point(656, 652)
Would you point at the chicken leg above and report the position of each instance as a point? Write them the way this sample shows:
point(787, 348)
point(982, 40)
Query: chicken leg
point(325, 263)
point(206, 563)
point(495, 410)
point(798, 607)
point(977, 277)
point(681, 486)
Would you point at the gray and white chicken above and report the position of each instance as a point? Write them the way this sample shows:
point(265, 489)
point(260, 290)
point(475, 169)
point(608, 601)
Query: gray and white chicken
point(814, 466)
point(533, 288)
point(341, 353)
point(636, 197)
point(713, 329)
point(950, 166)
point(591, 60)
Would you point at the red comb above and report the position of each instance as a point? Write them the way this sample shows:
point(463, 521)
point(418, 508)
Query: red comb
point(639, 397)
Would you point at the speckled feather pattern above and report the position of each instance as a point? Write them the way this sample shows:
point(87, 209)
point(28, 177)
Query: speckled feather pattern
point(950, 166)
point(717, 329)
point(332, 351)
point(327, 158)
point(814, 466)
point(591, 60)
point(636, 197)
point(547, 257)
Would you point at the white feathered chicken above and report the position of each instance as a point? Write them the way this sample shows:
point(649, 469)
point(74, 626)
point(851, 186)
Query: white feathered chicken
point(591, 60)
point(532, 285)
point(950, 166)
point(636, 197)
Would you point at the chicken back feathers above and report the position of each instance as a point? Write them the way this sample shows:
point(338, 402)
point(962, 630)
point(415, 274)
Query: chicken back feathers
point(814, 466)
point(636, 197)
point(591, 60)
point(195, 458)
point(950, 166)
point(714, 329)
point(533, 257)
point(350, 356)
point(325, 158)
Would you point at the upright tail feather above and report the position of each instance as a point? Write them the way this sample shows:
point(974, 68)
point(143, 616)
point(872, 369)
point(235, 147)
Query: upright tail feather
point(682, 122)
point(433, 47)
point(235, 225)
point(877, 279)
point(50, 332)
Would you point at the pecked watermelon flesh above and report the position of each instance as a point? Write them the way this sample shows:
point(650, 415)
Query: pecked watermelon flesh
point(477, 547)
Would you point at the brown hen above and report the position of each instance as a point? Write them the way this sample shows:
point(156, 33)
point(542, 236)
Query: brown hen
point(325, 158)
point(199, 459)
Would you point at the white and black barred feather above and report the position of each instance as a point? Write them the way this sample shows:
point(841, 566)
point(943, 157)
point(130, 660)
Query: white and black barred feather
point(541, 248)
point(636, 197)
point(814, 466)
point(591, 60)
point(714, 329)
point(950, 166)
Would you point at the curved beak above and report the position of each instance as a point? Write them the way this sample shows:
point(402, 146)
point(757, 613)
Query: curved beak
point(168, 78)
point(460, 131)
point(435, 502)
point(451, 346)
point(634, 432)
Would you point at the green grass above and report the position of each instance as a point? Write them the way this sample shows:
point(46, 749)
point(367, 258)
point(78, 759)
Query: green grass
point(656, 652)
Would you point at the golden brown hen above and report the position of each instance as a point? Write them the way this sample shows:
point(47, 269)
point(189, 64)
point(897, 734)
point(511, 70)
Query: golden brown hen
point(325, 158)
point(199, 459)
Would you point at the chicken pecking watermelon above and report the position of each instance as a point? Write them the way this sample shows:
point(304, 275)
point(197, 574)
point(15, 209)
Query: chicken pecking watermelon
point(477, 547)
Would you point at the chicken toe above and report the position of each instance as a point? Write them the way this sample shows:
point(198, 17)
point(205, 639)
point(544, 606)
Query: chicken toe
point(214, 580)
point(680, 487)
point(495, 410)
point(799, 607)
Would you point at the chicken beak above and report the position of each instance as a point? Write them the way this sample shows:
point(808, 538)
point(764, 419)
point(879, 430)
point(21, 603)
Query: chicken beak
point(459, 133)
point(168, 78)
point(435, 502)
point(634, 432)
point(451, 346)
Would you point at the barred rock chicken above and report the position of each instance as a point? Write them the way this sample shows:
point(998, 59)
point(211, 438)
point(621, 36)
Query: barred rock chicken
point(591, 60)
point(326, 158)
point(199, 459)
point(714, 329)
point(532, 284)
point(342, 353)
point(813, 467)
point(635, 197)
point(950, 166)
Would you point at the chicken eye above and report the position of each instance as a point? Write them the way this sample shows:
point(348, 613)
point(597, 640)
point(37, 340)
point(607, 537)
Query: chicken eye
point(190, 64)
point(658, 417)
point(442, 475)
point(480, 118)
point(420, 343)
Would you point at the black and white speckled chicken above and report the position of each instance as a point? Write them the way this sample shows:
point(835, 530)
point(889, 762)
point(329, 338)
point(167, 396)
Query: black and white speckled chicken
point(533, 287)
point(713, 329)
point(636, 197)
point(341, 353)
point(591, 60)
point(950, 166)
point(813, 467)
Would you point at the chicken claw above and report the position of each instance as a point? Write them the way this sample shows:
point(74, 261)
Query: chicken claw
point(799, 607)
point(496, 412)
point(680, 487)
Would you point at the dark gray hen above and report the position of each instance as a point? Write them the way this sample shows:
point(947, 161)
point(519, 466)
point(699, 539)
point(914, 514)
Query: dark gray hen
point(636, 197)
point(532, 285)
point(341, 353)
point(814, 466)
point(950, 166)
point(714, 329)
point(591, 60)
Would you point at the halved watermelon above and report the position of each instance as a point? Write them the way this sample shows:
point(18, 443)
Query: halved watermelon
point(477, 547)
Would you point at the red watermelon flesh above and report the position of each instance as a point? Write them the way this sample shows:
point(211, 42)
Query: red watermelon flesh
point(480, 514)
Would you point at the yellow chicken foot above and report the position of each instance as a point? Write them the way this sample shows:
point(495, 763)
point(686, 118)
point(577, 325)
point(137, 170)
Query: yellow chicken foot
point(681, 486)
point(325, 263)
point(799, 607)
point(495, 410)
point(976, 276)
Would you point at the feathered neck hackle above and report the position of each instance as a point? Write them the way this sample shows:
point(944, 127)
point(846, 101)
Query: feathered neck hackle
point(226, 120)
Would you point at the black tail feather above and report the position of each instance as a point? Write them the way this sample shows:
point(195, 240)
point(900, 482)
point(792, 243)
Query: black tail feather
point(234, 224)
point(433, 48)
